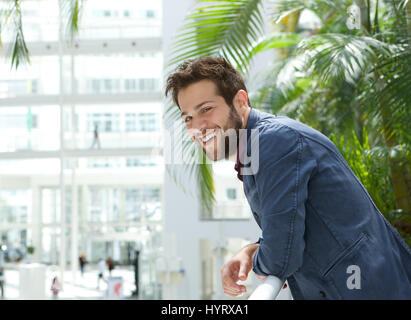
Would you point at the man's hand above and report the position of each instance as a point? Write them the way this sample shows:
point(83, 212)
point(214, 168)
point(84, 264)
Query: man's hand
point(237, 269)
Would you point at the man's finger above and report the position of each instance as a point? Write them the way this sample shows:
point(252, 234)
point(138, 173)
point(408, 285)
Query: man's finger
point(242, 274)
point(234, 292)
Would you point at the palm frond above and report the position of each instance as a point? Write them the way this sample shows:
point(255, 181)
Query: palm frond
point(342, 57)
point(274, 41)
point(11, 17)
point(226, 28)
point(281, 10)
point(72, 10)
point(370, 165)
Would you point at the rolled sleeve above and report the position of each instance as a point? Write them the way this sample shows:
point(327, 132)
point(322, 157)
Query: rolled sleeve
point(285, 167)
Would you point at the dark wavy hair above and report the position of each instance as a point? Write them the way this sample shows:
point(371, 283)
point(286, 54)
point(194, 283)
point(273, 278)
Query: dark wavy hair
point(227, 80)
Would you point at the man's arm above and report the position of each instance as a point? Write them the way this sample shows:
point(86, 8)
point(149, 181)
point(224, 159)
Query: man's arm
point(285, 167)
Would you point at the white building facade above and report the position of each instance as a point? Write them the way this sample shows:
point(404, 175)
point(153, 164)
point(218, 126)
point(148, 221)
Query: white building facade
point(105, 89)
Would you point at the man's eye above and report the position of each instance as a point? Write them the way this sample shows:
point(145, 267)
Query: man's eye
point(187, 119)
point(206, 109)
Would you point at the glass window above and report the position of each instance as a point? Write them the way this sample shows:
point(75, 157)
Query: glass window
point(50, 202)
point(131, 126)
point(103, 163)
point(142, 201)
point(29, 128)
point(131, 123)
point(103, 204)
point(231, 194)
point(142, 122)
point(122, 73)
point(143, 162)
point(103, 122)
point(15, 206)
point(50, 245)
point(132, 205)
point(40, 20)
point(41, 76)
point(108, 19)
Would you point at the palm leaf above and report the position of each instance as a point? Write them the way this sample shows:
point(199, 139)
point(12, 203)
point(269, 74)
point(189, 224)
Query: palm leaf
point(274, 41)
point(11, 17)
point(71, 10)
point(339, 57)
point(394, 97)
point(227, 28)
point(282, 10)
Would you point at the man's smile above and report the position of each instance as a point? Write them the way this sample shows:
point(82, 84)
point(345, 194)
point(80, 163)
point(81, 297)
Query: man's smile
point(208, 137)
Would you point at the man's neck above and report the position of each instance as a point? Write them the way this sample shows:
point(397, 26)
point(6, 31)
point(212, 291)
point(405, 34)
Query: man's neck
point(245, 117)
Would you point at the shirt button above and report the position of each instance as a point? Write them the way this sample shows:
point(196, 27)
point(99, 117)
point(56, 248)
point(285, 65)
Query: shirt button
point(322, 294)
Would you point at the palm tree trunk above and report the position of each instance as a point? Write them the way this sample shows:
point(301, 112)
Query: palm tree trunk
point(289, 25)
point(364, 14)
point(408, 16)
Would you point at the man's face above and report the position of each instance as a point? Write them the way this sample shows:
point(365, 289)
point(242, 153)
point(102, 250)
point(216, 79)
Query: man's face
point(211, 123)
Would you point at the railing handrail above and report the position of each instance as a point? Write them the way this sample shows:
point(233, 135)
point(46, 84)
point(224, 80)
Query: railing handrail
point(268, 290)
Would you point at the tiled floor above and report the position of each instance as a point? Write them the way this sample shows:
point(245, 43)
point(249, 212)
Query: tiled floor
point(85, 286)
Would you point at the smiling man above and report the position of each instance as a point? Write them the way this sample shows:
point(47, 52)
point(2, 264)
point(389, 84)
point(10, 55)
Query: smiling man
point(321, 230)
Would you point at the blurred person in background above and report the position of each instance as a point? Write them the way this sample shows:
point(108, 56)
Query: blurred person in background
point(82, 263)
point(101, 268)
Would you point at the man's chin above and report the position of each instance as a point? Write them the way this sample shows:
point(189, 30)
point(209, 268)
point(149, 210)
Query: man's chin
point(212, 156)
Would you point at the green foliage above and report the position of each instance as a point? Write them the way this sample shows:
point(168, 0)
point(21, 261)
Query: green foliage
point(371, 166)
point(11, 19)
point(227, 28)
point(71, 10)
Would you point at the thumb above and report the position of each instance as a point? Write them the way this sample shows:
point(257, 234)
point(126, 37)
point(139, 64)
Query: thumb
point(242, 274)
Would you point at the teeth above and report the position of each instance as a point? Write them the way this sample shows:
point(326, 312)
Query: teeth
point(208, 138)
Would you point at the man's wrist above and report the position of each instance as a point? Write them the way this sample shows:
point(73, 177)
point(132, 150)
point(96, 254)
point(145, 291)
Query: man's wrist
point(251, 248)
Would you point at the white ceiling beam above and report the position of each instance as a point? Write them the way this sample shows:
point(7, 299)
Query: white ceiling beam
point(54, 99)
point(81, 153)
point(84, 47)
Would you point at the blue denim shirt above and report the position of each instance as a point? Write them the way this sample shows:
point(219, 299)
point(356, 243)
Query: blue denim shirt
point(320, 228)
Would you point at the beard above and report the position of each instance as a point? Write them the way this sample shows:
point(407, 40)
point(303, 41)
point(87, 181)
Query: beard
point(229, 138)
point(232, 134)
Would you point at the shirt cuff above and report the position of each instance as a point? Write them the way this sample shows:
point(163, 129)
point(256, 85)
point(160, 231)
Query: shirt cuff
point(258, 241)
point(258, 269)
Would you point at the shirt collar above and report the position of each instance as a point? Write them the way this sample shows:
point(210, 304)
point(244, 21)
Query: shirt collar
point(252, 119)
point(251, 122)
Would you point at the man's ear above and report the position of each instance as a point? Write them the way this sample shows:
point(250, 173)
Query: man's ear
point(241, 99)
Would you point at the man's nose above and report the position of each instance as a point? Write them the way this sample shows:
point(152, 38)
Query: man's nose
point(200, 125)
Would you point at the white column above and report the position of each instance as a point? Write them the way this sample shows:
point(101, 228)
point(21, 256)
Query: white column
point(36, 222)
point(62, 193)
point(74, 189)
point(74, 225)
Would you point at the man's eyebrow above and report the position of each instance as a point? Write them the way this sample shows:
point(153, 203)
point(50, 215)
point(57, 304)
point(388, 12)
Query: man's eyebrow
point(197, 106)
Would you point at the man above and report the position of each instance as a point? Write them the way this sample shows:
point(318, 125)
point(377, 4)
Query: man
point(101, 268)
point(320, 229)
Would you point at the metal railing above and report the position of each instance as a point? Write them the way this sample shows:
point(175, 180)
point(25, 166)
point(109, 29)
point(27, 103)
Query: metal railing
point(268, 290)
